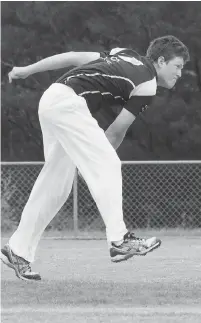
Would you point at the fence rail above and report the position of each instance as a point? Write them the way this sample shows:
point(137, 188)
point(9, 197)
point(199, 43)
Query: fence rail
point(161, 194)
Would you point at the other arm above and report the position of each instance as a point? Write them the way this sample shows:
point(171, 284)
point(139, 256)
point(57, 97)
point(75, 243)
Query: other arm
point(134, 107)
point(117, 130)
point(53, 62)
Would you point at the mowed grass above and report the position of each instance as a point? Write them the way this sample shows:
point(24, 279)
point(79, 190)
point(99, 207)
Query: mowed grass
point(80, 284)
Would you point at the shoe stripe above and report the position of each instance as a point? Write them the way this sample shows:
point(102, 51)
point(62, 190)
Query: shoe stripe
point(10, 263)
point(6, 261)
point(7, 258)
point(134, 253)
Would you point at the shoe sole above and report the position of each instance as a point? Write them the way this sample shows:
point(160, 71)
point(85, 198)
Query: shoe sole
point(134, 253)
point(6, 261)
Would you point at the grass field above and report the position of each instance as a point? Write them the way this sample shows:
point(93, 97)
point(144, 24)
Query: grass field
point(80, 284)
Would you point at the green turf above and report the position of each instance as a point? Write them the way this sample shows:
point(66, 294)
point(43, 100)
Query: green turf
point(79, 275)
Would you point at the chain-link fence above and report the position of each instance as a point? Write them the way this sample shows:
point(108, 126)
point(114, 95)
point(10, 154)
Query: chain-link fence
point(155, 195)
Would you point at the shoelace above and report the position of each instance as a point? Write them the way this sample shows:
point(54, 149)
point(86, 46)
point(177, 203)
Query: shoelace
point(22, 264)
point(131, 236)
point(132, 240)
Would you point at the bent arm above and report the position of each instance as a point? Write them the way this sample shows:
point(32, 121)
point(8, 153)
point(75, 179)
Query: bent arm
point(134, 107)
point(117, 130)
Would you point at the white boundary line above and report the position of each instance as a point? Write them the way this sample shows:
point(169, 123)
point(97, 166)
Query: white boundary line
point(156, 162)
point(22, 163)
point(105, 310)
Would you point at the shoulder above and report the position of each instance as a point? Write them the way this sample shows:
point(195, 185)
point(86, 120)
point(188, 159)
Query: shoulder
point(147, 79)
point(146, 88)
point(141, 66)
point(117, 51)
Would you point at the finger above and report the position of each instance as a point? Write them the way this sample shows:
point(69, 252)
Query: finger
point(10, 77)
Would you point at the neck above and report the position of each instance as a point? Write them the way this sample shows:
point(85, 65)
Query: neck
point(156, 67)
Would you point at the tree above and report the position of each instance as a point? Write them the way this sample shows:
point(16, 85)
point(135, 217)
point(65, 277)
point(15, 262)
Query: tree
point(32, 30)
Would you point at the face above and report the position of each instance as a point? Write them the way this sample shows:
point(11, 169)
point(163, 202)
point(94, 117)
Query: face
point(169, 72)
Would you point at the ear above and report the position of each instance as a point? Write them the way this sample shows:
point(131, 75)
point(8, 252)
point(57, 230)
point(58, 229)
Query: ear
point(161, 61)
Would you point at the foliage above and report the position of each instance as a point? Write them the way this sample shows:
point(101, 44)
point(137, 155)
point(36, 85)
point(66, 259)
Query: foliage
point(32, 30)
point(8, 220)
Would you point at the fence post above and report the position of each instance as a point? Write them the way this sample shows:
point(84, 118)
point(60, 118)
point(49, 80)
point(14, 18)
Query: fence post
point(75, 204)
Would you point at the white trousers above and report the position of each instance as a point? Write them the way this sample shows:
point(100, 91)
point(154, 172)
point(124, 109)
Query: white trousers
point(71, 137)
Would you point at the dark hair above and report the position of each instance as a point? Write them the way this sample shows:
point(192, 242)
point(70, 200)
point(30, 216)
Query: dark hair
point(168, 47)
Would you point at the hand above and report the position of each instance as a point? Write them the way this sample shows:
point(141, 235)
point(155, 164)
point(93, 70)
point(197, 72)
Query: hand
point(18, 73)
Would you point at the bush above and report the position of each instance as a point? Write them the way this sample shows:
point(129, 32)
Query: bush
point(8, 221)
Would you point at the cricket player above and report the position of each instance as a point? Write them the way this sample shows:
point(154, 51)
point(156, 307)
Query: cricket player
point(72, 138)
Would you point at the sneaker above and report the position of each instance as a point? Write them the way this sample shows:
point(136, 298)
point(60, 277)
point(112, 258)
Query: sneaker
point(133, 246)
point(20, 265)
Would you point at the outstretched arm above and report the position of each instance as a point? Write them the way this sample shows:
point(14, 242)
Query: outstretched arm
point(53, 63)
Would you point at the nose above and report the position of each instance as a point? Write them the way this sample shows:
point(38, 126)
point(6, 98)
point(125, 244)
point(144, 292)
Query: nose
point(179, 73)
